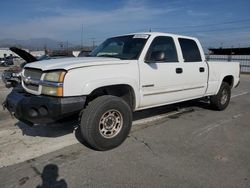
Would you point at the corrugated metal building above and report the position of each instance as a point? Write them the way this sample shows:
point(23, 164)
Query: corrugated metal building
point(229, 51)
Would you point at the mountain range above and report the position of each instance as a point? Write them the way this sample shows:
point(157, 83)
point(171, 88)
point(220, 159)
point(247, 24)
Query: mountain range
point(34, 44)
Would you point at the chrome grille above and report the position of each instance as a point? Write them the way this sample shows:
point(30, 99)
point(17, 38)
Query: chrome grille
point(32, 87)
point(34, 74)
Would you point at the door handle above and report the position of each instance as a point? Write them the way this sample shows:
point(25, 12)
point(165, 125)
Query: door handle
point(178, 70)
point(202, 69)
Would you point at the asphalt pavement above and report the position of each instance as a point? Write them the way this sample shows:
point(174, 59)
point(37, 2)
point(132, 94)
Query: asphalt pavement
point(185, 145)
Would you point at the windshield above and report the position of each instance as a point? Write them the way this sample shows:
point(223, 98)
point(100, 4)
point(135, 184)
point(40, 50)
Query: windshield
point(123, 47)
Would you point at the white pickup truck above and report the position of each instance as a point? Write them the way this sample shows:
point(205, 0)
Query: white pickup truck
point(124, 74)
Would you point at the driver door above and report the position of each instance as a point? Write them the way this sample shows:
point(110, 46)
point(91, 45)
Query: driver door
point(161, 74)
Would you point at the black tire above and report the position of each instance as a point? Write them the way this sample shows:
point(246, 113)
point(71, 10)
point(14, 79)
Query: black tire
point(221, 100)
point(106, 122)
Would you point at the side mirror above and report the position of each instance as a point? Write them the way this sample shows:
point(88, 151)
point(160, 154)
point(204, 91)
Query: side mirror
point(157, 56)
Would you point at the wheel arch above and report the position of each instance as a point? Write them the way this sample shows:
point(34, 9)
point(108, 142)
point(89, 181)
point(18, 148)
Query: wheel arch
point(229, 79)
point(125, 91)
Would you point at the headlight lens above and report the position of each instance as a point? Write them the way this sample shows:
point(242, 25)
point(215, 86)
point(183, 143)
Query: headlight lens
point(52, 91)
point(49, 90)
point(57, 76)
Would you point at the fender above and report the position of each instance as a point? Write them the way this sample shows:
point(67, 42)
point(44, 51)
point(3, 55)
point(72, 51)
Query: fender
point(221, 80)
point(89, 87)
point(216, 77)
point(90, 78)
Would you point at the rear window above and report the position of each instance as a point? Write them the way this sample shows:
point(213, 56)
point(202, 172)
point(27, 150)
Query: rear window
point(190, 50)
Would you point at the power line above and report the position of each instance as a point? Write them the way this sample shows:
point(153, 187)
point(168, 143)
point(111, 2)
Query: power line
point(204, 25)
point(218, 29)
point(209, 30)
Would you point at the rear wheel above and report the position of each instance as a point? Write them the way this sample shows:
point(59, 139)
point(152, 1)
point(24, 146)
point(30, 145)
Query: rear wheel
point(106, 122)
point(222, 99)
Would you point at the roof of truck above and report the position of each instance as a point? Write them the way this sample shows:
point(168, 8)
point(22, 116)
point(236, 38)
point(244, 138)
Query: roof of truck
point(159, 34)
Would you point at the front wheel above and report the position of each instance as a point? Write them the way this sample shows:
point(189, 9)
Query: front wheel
point(222, 99)
point(106, 122)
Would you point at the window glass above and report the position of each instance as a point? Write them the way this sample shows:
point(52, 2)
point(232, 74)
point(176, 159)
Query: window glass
point(123, 47)
point(113, 48)
point(190, 50)
point(165, 45)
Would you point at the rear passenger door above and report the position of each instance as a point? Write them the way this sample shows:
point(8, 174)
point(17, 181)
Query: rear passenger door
point(195, 70)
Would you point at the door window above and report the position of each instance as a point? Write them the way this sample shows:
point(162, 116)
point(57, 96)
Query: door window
point(190, 50)
point(164, 47)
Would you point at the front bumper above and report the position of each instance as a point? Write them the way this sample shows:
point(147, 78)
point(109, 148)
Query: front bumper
point(34, 109)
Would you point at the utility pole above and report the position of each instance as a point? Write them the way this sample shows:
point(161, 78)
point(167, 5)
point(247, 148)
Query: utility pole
point(45, 48)
point(82, 38)
point(67, 47)
point(93, 42)
point(221, 45)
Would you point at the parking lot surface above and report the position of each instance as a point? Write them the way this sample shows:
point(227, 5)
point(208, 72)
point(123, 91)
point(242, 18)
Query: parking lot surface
point(185, 145)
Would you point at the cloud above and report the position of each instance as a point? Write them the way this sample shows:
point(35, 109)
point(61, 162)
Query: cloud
point(228, 39)
point(197, 13)
point(64, 22)
point(53, 20)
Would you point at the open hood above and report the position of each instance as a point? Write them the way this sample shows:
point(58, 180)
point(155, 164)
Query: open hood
point(23, 54)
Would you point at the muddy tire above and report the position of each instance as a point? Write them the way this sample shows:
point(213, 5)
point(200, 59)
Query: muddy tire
point(221, 100)
point(106, 122)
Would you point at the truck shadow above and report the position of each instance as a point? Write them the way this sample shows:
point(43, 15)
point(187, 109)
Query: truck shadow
point(72, 126)
point(48, 130)
point(171, 108)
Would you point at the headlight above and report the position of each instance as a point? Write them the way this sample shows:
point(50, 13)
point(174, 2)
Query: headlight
point(57, 76)
point(52, 91)
point(53, 83)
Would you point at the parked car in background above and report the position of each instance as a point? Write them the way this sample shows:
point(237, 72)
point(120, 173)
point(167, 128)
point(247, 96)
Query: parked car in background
point(8, 61)
point(12, 76)
point(2, 61)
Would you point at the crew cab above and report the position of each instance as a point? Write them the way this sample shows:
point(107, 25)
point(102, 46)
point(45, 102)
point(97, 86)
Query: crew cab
point(124, 74)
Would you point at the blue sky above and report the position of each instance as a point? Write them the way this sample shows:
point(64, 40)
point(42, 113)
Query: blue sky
point(215, 22)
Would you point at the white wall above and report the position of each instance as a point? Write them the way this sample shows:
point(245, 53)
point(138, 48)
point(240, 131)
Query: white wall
point(76, 53)
point(37, 53)
point(5, 51)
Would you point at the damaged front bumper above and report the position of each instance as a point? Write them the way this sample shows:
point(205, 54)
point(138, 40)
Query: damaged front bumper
point(33, 109)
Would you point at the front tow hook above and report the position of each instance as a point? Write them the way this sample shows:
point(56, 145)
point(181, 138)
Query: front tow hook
point(4, 105)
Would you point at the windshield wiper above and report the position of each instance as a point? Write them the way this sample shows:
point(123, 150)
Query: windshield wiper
point(107, 55)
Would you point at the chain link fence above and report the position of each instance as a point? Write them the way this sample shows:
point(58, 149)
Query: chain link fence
point(243, 59)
